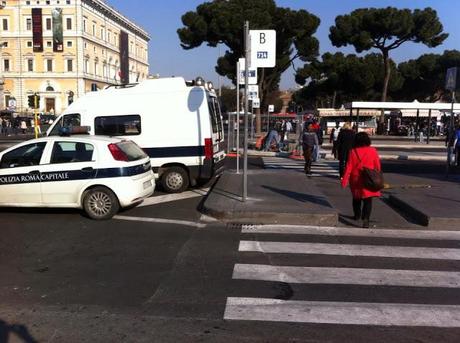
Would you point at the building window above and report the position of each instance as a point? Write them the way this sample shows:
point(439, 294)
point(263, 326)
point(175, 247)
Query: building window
point(69, 44)
point(5, 24)
point(29, 24)
point(86, 66)
point(48, 24)
point(94, 30)
point(6, 65)
point(104, 70)
point(68, 24)
point(29, 44)
point(48, 2)
point(5, 45)
point(85, 45)
point(67, 2)
point(28, 2)
point(102, 33)
point(108, 37)
point(84, 25)
point(30, 64)
point(49, 44)
point(96, 67)
point(70, 65)
point(49, 65)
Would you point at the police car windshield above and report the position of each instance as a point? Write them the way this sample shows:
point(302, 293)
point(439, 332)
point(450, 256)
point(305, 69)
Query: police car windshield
point(132, 150)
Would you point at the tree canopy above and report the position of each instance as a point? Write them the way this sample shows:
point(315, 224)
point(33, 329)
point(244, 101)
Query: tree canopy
point(339, 78)
point(386, 29)
point(424, 77)
point(222, 21)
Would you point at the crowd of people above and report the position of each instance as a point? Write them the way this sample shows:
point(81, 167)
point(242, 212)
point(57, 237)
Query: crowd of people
point(13, 126)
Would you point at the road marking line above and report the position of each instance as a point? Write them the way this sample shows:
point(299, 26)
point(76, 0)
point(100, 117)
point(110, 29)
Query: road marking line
point(342, 231)
point(350, 250)
point(174, 197)
point(161, 221)
point(342, 313)
point(347, 276)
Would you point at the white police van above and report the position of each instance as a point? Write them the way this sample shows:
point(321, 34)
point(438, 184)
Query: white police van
point(178, 124)
point(98, 174)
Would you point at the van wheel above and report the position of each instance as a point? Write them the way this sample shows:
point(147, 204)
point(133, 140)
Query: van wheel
point(100, 203)
point(175, 180)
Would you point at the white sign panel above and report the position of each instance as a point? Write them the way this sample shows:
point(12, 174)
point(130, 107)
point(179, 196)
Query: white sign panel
point(271, 108)
point(263, 48)
point(252, 78)
point(256, 103)
point(253, 92)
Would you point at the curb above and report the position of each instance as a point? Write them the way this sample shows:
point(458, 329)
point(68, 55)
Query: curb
point(411, 211)
point(323, 219)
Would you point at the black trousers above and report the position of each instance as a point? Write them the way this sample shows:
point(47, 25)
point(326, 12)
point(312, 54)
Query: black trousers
point(308, 156)
point(362, 208)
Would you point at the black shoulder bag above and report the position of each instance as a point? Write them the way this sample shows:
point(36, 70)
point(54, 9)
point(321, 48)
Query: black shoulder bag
point(372, 178)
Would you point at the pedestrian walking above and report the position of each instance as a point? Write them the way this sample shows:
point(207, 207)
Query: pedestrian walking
point(4, 127)
point(273, 135)
point(333, 139)
point(363, 155)
point(345, 141)
point(23, 126)
point(309, 141)
point(457, 145)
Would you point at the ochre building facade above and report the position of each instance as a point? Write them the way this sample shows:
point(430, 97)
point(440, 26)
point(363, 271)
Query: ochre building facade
point(62, 49)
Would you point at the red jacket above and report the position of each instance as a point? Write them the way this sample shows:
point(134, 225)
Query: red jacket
point(370, 159)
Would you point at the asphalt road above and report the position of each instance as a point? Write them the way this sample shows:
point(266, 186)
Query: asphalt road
point(162, 272)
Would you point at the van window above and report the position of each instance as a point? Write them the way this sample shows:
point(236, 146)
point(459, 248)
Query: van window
point(129, 125)
point(216, 119)
point(68, 120)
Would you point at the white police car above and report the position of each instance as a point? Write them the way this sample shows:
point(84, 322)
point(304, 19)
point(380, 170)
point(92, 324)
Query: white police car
point(98, 174)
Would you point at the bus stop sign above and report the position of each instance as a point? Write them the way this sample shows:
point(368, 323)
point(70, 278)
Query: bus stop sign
point(452, 79)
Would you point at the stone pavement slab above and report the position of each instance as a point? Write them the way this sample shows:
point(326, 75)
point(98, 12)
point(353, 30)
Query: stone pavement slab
point(274, 197)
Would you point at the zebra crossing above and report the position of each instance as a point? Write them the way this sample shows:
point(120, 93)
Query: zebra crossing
point(373, 277)
point(329, 168)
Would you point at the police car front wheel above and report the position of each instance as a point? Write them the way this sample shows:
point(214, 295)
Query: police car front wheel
point(100, 203)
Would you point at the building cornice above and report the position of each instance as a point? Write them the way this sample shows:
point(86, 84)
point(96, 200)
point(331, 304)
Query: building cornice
point(116, 16)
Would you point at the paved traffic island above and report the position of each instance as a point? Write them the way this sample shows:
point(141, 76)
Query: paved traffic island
point(290, 198)
point(432, 202)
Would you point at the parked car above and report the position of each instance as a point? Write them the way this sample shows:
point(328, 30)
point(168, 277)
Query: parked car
point(97, 174)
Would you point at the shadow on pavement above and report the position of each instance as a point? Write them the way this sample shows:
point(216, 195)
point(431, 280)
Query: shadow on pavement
point(300, 196)
point(18, 331)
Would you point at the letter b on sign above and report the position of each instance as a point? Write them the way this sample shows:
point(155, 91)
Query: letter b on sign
point(263, 48)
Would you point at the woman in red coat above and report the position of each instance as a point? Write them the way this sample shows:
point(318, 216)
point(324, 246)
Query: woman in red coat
point(362, 155)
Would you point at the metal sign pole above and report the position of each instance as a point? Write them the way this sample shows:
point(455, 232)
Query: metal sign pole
point(238, 117)
point(246, 104)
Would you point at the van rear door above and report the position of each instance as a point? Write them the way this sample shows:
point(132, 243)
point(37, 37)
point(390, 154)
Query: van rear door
point(217, 128)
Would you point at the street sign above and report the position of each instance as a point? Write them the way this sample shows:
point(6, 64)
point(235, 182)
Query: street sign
point(452, 78)
point(252, 73)
point(271, 108)
point(256, 103)
point(253, 92)
point(263, 48)
point(12, 104)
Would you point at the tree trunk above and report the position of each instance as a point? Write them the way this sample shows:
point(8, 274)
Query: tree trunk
point(334, 96)
point(386, 79)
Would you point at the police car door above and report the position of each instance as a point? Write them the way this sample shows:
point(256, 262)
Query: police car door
point(72, 165)
point(20, 175)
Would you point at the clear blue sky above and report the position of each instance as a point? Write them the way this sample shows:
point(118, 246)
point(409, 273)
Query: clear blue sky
point(162, 18)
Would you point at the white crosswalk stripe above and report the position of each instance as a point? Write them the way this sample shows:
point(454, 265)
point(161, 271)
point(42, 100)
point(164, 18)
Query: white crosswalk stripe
point(413, 254)
point(320, 168)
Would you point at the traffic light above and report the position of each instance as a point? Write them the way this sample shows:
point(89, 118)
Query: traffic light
point(31, 101)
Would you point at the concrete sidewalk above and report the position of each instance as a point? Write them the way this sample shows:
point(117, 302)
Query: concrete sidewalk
point(326, 154)
point(287, 198)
